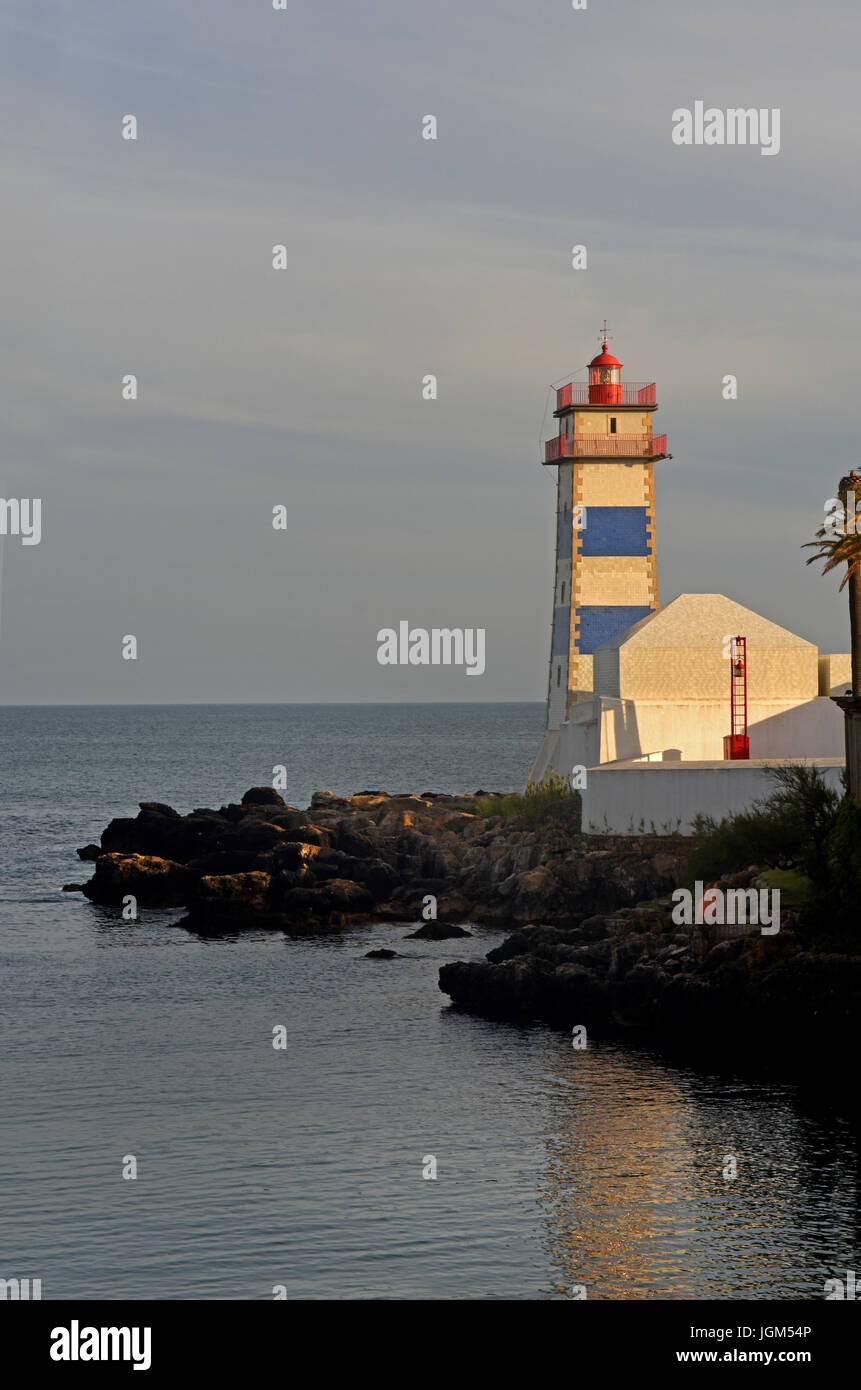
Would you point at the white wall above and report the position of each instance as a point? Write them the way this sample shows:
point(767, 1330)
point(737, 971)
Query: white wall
point(696, 728)
point(604, 730)
point(629, 798)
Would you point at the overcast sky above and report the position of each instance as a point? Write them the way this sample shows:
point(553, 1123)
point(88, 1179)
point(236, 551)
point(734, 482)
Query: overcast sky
point(405, 257)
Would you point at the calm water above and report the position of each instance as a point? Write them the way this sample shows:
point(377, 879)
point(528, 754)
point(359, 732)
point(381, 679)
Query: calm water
point(303, 1167)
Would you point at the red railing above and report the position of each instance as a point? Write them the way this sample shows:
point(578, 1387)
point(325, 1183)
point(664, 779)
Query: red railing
point(627, 393)
point(605, 446)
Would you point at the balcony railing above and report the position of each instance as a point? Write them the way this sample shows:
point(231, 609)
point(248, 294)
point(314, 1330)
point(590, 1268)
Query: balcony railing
point(605, 446)
point(623, 393)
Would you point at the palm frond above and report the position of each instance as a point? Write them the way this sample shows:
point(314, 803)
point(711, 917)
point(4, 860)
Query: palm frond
point(832, 550)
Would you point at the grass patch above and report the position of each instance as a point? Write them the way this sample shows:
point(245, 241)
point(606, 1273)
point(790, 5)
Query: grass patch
point(796, 889)
point(525, 810)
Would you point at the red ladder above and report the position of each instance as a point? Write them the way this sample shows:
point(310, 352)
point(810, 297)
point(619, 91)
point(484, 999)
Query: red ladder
point(736, 745)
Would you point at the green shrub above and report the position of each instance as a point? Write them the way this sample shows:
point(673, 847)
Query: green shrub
point(527, 809)
point(789, 829)
point(796, 889)
point(807, 840)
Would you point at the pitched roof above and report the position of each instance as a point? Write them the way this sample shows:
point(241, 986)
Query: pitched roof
point(699, 620)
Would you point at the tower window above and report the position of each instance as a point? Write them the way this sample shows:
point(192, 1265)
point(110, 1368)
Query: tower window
point(563, 592)
point(612, 424)
point(558, 674)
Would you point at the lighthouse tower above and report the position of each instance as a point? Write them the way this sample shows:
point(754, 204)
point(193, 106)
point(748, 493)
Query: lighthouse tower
point(606, 563)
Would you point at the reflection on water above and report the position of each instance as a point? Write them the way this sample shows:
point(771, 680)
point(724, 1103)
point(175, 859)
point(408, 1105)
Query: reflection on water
point(303, 1167)
point(634, 1199)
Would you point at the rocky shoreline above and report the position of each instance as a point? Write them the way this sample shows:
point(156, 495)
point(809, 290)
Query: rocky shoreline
point(744, 999)
point(368, 858)
point(593, 943)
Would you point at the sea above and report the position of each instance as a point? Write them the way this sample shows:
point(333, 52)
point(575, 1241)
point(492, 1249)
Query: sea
point(156, 1145)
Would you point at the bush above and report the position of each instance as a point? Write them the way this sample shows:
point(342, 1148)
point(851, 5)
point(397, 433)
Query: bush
point(811, 837)
point(789, 829)
point(528, 809)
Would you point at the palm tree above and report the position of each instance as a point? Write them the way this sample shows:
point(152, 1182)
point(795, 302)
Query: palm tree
point(844, 548)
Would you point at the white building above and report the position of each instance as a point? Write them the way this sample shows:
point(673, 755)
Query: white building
point(639, 695)
point(662, 696)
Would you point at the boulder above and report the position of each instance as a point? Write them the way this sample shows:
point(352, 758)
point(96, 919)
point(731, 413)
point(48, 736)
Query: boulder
point(436, 931)
point(258, 834)
point(574, 995)
point(226, 902)
point(512, 990)
point(263, 796)
point(152, 881)
point(338, 902)
point(376, 855)
point(638, 994)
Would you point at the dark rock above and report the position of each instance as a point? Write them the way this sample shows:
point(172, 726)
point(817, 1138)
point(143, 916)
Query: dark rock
point(153, 881)
point(329, 863)
point(338, 901)
point(308, 835)
point(283, 882)
point(227, 861)
point(89, 852)
point(393, 851)
point(352, 841)
point(228, 901)
point(342, 895)
point(263, 796)
point(161, 832)
point(573, 995)
point(382, 954)
point(537, 940)
point(437, 931)
point(625, 953)
point(326, 800)
point(379, 878)
point(255, 833)
point(288, 855)
point(511, 990)
point(639, 993)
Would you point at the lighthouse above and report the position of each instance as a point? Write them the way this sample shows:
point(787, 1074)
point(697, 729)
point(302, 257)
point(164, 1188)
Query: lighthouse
point(638, 702)
point(606, 575)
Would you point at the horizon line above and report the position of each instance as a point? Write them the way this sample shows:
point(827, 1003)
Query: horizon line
point(243, 704)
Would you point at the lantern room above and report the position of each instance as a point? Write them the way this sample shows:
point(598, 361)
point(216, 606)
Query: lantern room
point(605, 379)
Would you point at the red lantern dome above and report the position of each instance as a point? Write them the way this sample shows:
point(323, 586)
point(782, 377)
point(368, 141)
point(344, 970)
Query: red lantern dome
point(605, 359)
point(605, 379)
